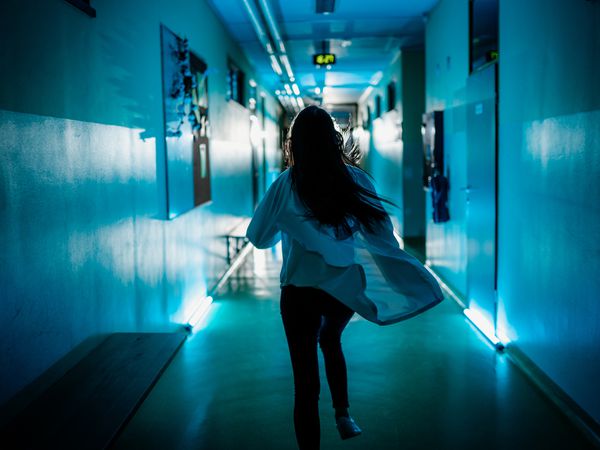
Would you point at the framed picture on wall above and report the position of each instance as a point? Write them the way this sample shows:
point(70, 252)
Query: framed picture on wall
point(186, 162)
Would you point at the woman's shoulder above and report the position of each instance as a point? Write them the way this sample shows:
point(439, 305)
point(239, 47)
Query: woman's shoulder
point(285, 174)
point(278, 186)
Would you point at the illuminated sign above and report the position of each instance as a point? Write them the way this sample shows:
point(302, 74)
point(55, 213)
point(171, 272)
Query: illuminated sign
point(323, 59)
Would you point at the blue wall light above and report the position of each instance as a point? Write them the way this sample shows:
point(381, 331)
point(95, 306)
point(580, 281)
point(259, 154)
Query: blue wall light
point(199, 313)
point(478, 321)
point(484, 326)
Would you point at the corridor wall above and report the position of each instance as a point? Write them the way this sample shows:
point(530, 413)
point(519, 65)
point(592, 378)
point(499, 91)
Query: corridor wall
point(446, 72)
point(392, 144)
point(86, 249)
point(548, 217)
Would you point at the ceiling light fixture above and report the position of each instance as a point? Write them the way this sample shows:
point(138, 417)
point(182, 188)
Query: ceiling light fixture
point(275, 65)
point(271, 39)
point(264, 38)
point(272, 27)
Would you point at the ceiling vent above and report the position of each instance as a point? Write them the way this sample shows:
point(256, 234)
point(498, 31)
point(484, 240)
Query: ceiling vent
point(325, 6)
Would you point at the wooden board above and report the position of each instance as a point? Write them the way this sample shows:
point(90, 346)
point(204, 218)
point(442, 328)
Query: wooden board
point(88, 406)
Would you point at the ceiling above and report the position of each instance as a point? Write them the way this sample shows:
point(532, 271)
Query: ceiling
point(365, 36)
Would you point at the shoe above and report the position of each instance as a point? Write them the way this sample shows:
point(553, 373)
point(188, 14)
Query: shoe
point(347, 427)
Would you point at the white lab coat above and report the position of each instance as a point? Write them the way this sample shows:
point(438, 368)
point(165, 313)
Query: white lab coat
point(368, 272)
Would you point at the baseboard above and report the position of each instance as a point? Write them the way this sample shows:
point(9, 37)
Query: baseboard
point(577, 415)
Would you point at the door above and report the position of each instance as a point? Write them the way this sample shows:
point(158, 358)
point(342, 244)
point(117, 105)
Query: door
point(480, 192)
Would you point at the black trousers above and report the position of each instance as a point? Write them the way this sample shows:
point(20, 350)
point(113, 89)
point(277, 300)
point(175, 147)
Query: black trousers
point(309, 316)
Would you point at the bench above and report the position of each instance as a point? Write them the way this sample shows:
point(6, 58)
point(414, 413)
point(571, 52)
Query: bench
point(88, 406)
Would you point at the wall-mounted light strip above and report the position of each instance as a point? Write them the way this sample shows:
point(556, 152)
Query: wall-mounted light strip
point(478, 321)
point(200, 312)
point(206, 303)
point(484, 326)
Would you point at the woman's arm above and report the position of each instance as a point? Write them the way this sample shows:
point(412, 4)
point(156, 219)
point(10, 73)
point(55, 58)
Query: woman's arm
point(263, 230)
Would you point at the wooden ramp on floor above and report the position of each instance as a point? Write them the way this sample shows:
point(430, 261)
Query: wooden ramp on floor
point(87, 407)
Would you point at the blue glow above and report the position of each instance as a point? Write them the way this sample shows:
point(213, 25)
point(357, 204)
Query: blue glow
point(484, 326)
point(200, 312)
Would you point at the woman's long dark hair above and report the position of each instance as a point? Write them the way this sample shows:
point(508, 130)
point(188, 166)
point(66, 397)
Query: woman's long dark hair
point(317, 157)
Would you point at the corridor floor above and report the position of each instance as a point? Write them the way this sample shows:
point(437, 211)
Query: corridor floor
point(427, 383)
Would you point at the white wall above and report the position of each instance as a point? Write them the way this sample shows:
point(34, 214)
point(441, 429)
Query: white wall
point(393, 145)
point(84, 248)
point(549, 218)
point(446, 72)
point(549, 166)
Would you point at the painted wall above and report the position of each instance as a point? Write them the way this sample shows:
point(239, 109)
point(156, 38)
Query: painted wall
point(85, 250)
point(549, 218)
point(446, 72)
point(392, 144)
point(413, 106)
point(381, 145)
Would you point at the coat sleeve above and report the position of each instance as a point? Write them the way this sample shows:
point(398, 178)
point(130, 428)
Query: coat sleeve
point(263, 230)
point(403, 272)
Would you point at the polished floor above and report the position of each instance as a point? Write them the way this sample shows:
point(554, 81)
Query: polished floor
point(428, 383)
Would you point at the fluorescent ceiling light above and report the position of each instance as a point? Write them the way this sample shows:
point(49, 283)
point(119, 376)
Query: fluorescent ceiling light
point(288, 89)
point(286, 63)
point(262, 37)
point(275, 65)
point(296, 89)
point(272, 25)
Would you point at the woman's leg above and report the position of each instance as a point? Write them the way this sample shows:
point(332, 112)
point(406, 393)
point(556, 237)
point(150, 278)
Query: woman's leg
point(337, 316)
point(301, 321)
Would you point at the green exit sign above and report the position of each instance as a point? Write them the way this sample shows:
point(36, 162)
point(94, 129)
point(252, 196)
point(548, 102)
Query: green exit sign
point(323, 59)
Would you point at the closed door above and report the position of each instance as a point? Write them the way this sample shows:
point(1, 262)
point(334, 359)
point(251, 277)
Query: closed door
point(480, 193)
